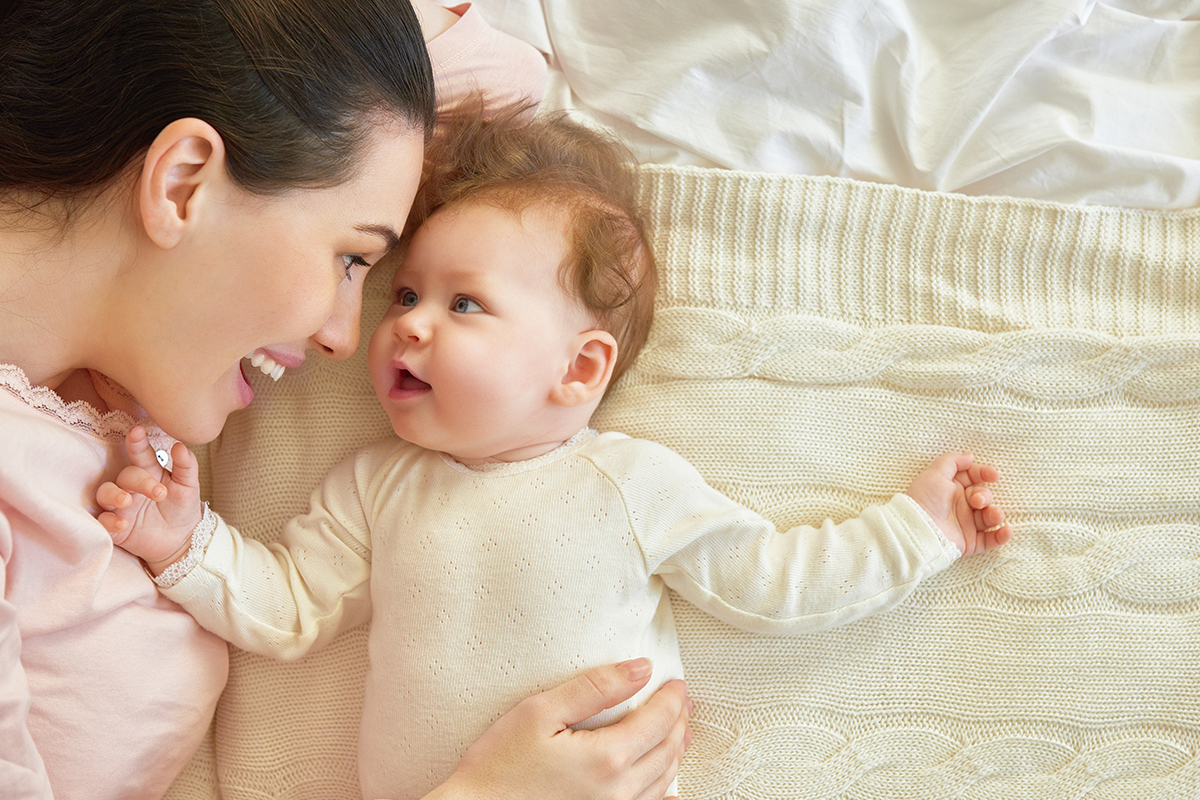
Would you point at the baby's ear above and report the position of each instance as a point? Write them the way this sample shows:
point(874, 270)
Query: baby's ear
point(590, 369)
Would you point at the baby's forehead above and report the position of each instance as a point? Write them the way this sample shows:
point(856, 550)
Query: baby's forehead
point(528, 213)
point(479, 238)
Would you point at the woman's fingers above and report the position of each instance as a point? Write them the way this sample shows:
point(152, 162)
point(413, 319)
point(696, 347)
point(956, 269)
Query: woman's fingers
point(597, 689)
point(661, 763)
point(655, 722)
point(533, 752)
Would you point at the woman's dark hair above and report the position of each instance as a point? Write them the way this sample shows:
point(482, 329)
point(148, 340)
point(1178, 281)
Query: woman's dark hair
point(292, 86)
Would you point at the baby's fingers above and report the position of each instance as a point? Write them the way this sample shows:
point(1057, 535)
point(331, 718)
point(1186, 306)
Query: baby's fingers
point(977, 474)
point(138, 448)
point(113, 524)
point(989, 517)
point(185, 469)
point(994, 537)
point(978, 497)
point(990, 530)
point(136, 480)
point(112, 497)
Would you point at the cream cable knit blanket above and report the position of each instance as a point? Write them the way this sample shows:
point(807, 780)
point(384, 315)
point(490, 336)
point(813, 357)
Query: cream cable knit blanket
point(817, 342)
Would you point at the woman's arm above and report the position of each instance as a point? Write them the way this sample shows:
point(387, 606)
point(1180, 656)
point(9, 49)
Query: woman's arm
point(531, 752)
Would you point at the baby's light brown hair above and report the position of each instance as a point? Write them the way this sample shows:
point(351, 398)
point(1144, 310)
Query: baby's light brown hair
point(515, 163)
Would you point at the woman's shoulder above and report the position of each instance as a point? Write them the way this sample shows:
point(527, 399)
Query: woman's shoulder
point(473, 57)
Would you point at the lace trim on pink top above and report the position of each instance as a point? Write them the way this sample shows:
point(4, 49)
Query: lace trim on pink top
point(80, 414)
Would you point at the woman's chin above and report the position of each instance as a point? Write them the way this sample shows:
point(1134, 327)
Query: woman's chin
point(195, 430)
point(199, 416)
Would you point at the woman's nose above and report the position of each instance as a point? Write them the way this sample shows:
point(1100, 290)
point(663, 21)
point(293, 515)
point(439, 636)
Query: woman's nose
point(338, 337)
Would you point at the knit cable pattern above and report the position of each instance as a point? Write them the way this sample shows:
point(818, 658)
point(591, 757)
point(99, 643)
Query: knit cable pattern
point(817, 342)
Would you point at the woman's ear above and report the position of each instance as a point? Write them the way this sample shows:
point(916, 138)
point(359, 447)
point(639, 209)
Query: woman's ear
point(590, 369)
point(185, 156)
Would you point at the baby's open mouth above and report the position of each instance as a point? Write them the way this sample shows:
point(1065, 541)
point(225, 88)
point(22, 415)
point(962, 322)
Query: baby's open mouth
point(409, 382)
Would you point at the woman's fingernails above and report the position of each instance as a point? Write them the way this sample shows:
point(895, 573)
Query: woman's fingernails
point(636, 669)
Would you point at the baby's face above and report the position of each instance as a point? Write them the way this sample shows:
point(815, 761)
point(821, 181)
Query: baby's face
point(478, 332)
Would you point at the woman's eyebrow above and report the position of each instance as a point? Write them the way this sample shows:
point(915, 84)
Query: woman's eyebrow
point(386, 232)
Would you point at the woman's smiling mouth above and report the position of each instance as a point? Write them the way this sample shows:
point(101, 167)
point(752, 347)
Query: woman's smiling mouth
point(265, 364)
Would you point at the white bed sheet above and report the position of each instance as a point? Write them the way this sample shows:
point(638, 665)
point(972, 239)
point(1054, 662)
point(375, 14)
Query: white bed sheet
point(1075, 101)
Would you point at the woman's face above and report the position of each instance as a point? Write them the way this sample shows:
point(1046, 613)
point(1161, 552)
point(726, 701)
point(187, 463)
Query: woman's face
point(277, 275)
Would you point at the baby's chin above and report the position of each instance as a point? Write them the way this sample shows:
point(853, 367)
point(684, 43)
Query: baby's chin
point(413, 434)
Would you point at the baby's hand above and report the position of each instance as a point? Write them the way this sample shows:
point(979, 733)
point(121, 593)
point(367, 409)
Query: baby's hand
point(949, 490)
point(149, 511)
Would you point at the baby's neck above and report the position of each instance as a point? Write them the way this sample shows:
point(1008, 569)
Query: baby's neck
point(523, 453)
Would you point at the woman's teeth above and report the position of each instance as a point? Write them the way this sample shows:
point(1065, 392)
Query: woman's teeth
point(265, 364)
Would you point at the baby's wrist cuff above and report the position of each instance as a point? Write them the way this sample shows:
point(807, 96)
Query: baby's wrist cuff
point(201, 534)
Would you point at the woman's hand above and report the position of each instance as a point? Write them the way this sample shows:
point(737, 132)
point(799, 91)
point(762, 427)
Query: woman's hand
point(532, 752)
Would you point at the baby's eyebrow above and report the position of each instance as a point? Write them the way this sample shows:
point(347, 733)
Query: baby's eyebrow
point(386, 232)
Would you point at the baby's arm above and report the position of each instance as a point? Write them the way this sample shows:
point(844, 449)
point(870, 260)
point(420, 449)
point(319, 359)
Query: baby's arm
point(149, 511)
point(736, 565)
point(282, 599)
point(950, 490)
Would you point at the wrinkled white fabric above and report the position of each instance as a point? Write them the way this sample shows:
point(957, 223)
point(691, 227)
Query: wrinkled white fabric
point(1074, 101)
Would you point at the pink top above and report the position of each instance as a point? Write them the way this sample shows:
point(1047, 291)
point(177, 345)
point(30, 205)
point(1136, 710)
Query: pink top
point(473, 56)
point(105, 685)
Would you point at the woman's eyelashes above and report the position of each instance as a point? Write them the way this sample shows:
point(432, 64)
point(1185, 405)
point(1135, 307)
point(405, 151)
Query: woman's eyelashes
point(352, 260)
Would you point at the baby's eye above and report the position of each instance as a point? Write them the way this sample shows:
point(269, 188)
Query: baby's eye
point(352, 260)
point(406, 297)
point(465, 305)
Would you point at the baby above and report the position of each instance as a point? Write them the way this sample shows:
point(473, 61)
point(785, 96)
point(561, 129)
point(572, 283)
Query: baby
point(498, 544)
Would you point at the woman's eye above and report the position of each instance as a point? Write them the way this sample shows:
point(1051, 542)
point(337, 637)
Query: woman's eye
point(406, 297)
point(350, 261)
point(465, 305)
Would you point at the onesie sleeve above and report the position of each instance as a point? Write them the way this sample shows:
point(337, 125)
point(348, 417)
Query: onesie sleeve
point(473, 57)
point(735, 565)
point(22, 773)
point(291, 596)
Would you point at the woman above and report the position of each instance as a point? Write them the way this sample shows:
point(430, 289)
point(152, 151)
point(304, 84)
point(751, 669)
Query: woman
point(180, 187)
